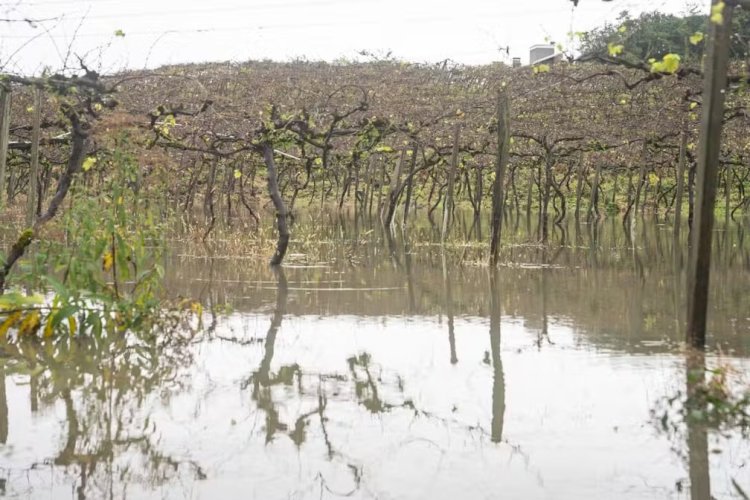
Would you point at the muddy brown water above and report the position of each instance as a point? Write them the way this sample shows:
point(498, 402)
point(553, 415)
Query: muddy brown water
point(372, 367)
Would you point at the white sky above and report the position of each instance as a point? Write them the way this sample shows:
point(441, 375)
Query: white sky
point(175, 31)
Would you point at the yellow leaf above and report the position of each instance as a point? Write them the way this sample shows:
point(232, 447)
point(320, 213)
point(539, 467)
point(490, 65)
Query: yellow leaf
point(237, 173)
point(614, 50)
point(622, 29)
point(670, 63)
point(9, 322)
point(88, 163)
point(48, 328)
point(97, 107)
point(29, 324)
point(696, 38)
point(197, 308)
point(541, 68)
point(72, 325)
point(30, 109)
point(693, 105)
point(107, 261)
point(717, 13)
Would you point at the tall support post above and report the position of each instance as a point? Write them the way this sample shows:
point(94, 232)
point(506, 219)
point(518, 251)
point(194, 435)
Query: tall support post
point(4, 133)
point(501, 163)
point(709, 147)
point(31, 201)
point(448, 204)
point(680, 189)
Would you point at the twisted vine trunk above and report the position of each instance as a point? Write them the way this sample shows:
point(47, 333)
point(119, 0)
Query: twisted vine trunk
point(79, 146)
point(281, 212)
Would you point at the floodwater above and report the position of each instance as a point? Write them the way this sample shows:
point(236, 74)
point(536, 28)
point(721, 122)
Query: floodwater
point(372, 367)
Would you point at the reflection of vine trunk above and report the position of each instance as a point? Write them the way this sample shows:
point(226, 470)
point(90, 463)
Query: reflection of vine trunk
point(278, 203)
point(498, 378)
point(697, 435)
point(278, 314)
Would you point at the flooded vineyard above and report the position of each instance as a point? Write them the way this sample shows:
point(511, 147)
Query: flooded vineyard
point(374, 366)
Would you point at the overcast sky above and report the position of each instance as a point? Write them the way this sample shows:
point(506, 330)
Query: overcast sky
point(174, 31)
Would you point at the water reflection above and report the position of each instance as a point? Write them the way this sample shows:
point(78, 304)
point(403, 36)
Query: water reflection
point(697, 434)
point(332, 377)
point(498, 377)
point(102, 386)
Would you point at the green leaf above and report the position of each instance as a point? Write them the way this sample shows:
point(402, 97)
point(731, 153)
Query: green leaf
point(119, 33)
point(15, 300)
point(696, 38)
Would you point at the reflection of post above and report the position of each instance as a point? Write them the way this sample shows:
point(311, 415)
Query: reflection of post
point(3, 408)
point(409, 278)
point(449, 310)
point(544, 332)
point(498, 378)
point(34, 393)
point(278, 315)
point(697, 435)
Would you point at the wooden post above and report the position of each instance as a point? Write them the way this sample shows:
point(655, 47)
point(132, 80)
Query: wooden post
point(727, 193)
point(641, 178)
point(448, 205)
point(709, 147)
point(680, 182)
point(4, 132)
point(594, 206)
point(394, 191)
point(410, 181)
point(34, 166)
point(579, 185)
point(501, 162)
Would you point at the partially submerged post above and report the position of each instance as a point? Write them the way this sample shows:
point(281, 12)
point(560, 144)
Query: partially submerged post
point(501, 162)
point(709, 147)
point(680, 189)
point(410, 182)
point(448, 204)
point(394, 191)
point(31, 201)
point(4, 133)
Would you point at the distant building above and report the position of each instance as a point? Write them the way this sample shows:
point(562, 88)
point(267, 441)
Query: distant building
point(543, 54)
point(516, 62)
